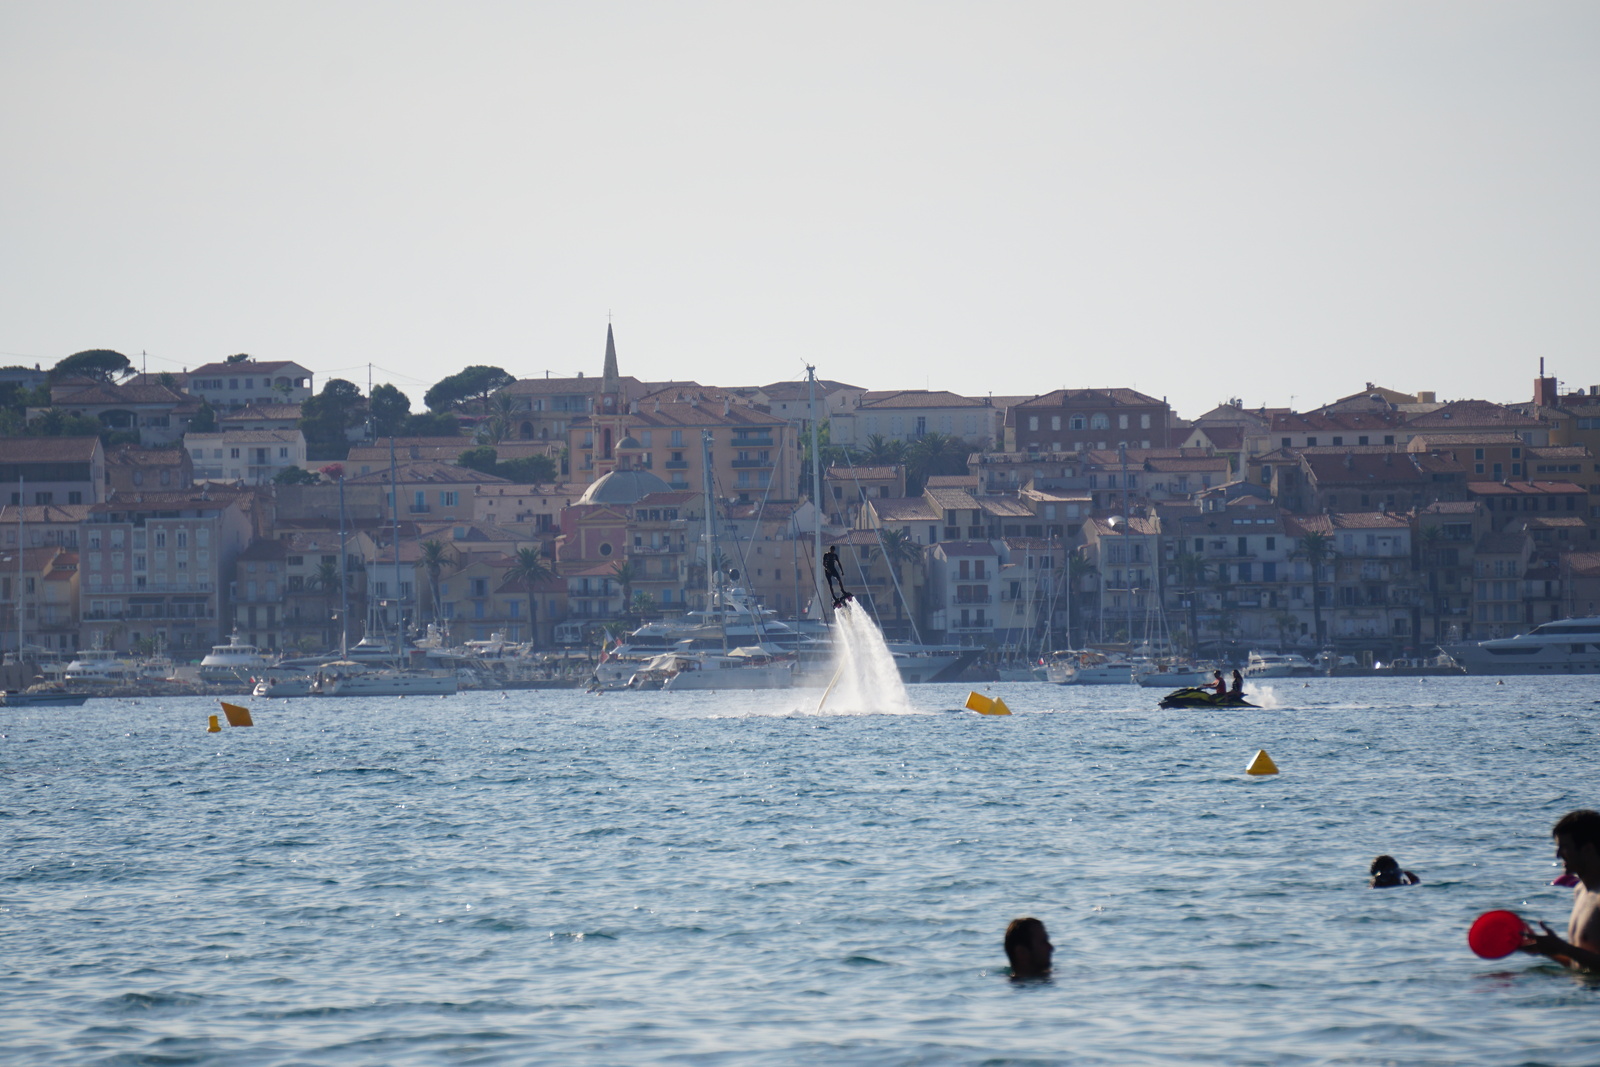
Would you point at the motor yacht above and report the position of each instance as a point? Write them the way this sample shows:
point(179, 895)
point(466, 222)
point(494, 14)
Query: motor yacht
point(1565, 646)
point(233, 662)
point(1276, 665)
point(1069, 667)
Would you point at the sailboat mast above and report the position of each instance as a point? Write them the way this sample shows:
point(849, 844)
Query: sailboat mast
point(21, 542)
point(816, 484)
point(394, 512)
point(711, 533)
point(344, 597)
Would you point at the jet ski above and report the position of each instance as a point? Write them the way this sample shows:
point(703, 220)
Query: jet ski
point(1204, 698)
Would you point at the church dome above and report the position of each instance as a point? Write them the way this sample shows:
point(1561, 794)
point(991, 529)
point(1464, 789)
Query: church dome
point(623, 487)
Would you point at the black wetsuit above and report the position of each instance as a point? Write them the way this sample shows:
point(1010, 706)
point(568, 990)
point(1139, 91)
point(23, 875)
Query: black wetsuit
point(830, 568)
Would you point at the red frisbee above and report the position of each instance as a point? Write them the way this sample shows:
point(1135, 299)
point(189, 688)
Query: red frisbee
point(1496, 934)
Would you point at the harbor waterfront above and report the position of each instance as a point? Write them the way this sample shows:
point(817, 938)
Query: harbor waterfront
point(513, 877)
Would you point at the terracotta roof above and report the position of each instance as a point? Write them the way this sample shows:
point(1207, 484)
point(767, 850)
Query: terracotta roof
point(1004, 507)
point(1363, 468)
point(1452, 507)
point(249, 366)
point(849, 474)
point(1523, 488)
point(951, 499)
point(918, 398)
point(133, 456)
point(426, 472)
point(1138, 525)
point(967, 548)
point(1314, 421)
point(276, 412)
point(952, 481)
point(66, 395)
point(905, 509)
point(48, 449)
point(798, 390)
point(1089, 397)
point(232, 437)
point(1472, 413)
point(1367, 520)
point(45, 514)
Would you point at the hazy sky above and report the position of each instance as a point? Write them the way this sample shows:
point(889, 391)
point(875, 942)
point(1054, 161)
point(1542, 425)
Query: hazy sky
point(1200, 200)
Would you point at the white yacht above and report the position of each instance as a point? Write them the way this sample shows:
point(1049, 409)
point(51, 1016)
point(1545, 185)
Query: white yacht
point(742, 668)
point(1566, 646)
point(100, 666)
point(349, 679)
point(1171, 675)
point(1276, 665)
point(233, 662)
point(1088, 668)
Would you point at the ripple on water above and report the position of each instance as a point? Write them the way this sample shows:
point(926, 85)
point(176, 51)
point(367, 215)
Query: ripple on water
point(542, 877)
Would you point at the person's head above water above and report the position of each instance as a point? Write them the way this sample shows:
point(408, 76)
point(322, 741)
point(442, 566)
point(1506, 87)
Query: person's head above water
point(1028, 948)
point(1577, 837)
point(1385, 871)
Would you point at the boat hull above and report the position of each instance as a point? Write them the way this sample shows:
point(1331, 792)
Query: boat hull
point(1200, 698)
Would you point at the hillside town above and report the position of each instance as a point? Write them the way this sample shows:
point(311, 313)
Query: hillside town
point(164, 512)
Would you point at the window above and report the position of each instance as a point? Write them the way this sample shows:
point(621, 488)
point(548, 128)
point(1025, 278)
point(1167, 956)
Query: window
point(233, 453)
point(1311, 442)
point(283, 453)
point(1055, 422)
point(1099, 421)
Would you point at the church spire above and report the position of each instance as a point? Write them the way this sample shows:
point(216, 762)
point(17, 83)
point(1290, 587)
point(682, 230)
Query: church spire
point(610, 376)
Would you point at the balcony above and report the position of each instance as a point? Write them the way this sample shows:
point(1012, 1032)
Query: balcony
point(752, 463)
point(764, 441)
point(676, 464)
point(419, 509)
point(973, 598)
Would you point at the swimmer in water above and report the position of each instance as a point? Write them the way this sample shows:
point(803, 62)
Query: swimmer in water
point(1577, 837)
point(1028, 948)
point(1386, 872)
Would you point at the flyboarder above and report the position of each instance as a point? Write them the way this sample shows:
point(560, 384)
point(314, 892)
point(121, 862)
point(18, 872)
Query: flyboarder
point(830, 567)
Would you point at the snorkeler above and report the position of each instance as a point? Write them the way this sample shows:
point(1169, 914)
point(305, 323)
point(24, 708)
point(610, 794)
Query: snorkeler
point(1386, 872)
point(1028, 948)
point(1578, 848)
point(830, 567)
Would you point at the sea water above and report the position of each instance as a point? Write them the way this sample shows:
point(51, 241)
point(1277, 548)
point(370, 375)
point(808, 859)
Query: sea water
point(731, 878)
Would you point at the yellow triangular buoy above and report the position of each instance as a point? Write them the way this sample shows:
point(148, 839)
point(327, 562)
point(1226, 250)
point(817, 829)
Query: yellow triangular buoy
point(1000, 707)
point(213, 727)
point(1262, 764)
point(237, 716)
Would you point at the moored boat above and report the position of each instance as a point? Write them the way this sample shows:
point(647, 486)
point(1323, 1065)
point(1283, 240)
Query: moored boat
point(1564, 646)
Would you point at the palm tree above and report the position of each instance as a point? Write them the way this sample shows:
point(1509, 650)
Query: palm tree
point(642, 604)
point(326, 579)
point(626, 572)
point(882, 452)
point(1428, 547)
point(1078, 568)
point(1191, 568)
point(436, 555)
point(530, 568)
point(1316, 548)
point(934, 453)
point(898, 548)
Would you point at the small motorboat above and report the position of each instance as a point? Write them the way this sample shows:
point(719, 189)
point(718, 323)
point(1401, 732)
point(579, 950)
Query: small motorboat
point(1204, 698)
